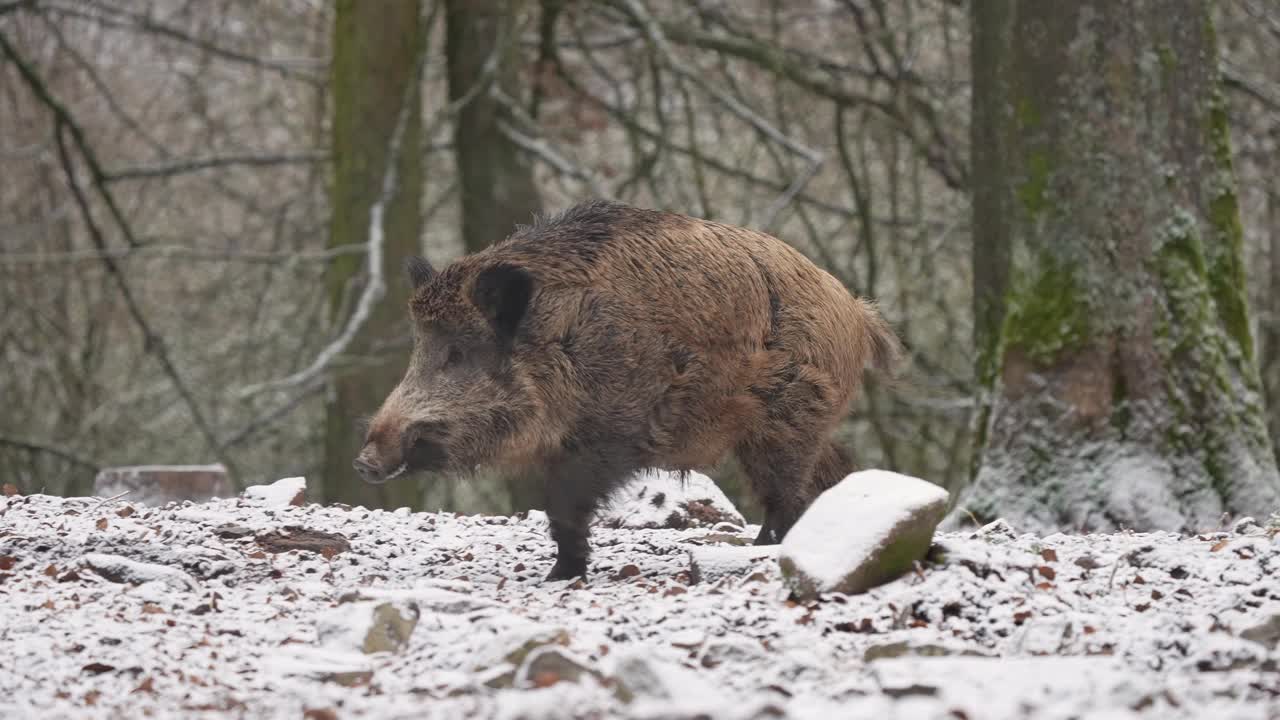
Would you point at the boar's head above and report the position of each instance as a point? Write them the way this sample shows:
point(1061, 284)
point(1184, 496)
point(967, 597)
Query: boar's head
point(466, 398)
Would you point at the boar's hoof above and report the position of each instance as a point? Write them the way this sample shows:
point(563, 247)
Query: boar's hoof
point(567, 569)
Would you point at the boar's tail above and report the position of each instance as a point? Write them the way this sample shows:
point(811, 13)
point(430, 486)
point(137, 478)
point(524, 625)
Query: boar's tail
point(886, 350)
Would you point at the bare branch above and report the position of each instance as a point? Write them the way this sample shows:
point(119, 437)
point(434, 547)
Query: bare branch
point(153, 343)
point(539, 147)
point(190, 165)
point(656, 35)
point(46, 449)
point(182, 252)
point(121, 19)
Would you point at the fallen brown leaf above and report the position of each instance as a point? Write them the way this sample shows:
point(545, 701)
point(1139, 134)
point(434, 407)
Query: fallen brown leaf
point(1049, 555)
point(1219, 545)
point(545, 679)
point(7, 562)
point(1047, 571)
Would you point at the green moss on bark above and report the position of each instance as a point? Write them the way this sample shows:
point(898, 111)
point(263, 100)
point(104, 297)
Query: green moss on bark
point(1047, 314)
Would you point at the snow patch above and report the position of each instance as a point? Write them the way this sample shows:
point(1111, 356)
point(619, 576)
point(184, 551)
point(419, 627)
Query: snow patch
point(661, 499)
point(281, 493)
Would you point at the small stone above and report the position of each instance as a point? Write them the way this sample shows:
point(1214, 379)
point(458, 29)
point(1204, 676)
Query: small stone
point(368, 626)
point(866, 531)
point(719, 538)
point(551, 664)
point(712, 562)
point(1247, 526)
point(996, 531)
point(640, 676)
point(281, 493)
point(231, 531)
point(1264, 631)
point(904, 648)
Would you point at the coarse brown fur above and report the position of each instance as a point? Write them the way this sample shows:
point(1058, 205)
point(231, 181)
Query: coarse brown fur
point(608, 339)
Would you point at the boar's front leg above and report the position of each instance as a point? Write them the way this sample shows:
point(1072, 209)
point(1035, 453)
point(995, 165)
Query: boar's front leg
point(575, 487)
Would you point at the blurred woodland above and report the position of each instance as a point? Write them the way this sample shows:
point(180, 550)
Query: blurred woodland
point(188, 271)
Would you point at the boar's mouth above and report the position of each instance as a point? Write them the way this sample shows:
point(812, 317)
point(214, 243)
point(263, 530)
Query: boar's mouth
point(421, 452)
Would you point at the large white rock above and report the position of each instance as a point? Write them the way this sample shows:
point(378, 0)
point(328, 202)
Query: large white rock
point(660, 499)
point(865, 531)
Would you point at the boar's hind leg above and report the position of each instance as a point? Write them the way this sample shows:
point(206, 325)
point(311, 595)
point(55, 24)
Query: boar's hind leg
point(574, 489)
point(790, 460)
point(778, 472)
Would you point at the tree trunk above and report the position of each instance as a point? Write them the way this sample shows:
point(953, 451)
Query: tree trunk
point(1125, 392)
point(375, 48)
point(495, 178)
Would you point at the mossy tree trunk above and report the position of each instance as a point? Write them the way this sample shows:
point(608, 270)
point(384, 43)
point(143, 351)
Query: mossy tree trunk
point(495, 177)
point(375, 48)
point(1123, 387)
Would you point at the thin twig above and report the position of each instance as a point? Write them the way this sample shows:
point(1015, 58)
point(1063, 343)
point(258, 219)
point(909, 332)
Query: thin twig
point(111, 499)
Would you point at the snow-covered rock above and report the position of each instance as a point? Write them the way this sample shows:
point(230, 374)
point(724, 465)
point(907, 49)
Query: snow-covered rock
point(1264, 627)
point(123, 570)
point(641, 678)
point(368, 626)
point(283, 492)
point(661, 499)
point(551, 664)
point(160, 484)
point(865, 531)
point(711, 562)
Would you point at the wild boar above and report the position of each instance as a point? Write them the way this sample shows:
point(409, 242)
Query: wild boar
point(608, 339)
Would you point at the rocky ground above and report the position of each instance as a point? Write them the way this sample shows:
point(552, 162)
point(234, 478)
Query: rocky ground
point(254, 607)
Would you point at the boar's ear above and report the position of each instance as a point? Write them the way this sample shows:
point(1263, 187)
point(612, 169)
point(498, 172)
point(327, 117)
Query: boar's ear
point(419, 270)
point(502, 293)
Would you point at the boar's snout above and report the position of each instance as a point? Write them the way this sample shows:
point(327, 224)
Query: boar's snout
point(419, 447)
point(369, 472)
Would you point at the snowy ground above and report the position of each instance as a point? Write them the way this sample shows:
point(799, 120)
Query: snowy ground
point(202, 619)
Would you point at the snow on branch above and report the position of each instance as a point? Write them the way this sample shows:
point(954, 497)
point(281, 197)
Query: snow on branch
point(376, 288)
